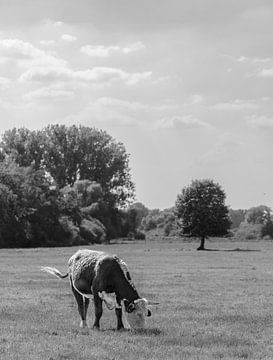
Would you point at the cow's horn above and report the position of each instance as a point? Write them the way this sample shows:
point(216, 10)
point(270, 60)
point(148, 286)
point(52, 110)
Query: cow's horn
point(152, 302)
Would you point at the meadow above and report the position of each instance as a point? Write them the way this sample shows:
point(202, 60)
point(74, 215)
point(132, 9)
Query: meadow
point(213, 304)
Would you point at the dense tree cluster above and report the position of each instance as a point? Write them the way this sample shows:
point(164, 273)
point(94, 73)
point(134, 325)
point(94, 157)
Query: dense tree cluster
point(257, 223)
point(62, 186)
point(163, 222)
point(73, 153)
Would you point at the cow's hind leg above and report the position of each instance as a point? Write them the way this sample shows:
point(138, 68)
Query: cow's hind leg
point(86, 304)
point(82, 306)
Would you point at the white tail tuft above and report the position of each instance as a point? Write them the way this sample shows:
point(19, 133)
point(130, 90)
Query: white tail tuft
point(54, 272)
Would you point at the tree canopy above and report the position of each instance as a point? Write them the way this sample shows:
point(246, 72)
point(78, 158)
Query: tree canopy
point(202, 210)
point(258, 215)
point(73, 153)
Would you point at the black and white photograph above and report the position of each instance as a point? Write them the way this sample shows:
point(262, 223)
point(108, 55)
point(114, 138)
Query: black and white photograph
point(136, 179)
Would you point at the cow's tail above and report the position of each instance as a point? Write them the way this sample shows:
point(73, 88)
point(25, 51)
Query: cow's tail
point(54, 271)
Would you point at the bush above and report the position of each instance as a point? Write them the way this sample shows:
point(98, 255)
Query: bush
point(149, 224)
point(92, 231)
point(167, 229)
point(248, 231)
point(139, 235)
point(72, 231)
point(267, 229)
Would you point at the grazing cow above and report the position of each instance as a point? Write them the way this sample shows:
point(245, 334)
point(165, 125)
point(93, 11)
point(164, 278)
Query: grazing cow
point(105, 278)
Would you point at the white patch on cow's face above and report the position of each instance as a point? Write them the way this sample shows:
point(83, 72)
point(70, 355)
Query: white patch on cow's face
point(142, 305)
point(109, 299)
point(137, 317)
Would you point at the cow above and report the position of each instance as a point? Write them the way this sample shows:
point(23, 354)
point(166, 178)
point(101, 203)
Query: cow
point(106, 279)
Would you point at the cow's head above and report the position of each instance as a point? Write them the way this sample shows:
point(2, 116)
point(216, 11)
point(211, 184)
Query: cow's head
point(136, 312)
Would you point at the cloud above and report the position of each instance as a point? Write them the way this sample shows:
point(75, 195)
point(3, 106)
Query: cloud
point(119, 112)
point(48, 93)
point(52, 23)
point(254, 60)
point(97, 75)
point(47, 74)
point(256, 66)
point(262, 60)
point(150, 110)
point(98, 50)
point(242, 59)
point(68, 38)
point(236, 105)
point(4, 82)
point(106, 111)
point(43, 66)
point(106, 51)
point(27, 55)
point(18, 49)
point(182, 122)
point(121, 104)
point(47, 42)
point(226, 149)
point(115, 111)
point(196, 99)
point(133, 47)
point(262, 122)
point(266, 73)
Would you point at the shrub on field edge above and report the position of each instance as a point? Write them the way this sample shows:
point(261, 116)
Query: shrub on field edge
point(92, 231)
point(267, 229)
point(139, 235)
point(247, 231)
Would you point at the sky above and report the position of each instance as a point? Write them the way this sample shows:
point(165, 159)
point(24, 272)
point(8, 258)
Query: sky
point(186, 86)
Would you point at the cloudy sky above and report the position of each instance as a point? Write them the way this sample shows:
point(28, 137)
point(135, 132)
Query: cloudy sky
point(187, 86)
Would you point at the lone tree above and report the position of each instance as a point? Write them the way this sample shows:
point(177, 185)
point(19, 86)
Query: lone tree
point(202, 210)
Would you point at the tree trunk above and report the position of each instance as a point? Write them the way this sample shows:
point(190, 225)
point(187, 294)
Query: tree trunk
point(202, 244)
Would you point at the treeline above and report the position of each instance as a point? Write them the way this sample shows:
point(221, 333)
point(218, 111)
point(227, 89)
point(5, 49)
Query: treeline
point(63, 186)
point(246, 224)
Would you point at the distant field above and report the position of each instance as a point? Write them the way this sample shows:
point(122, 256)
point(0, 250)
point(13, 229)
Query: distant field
point(213, 304)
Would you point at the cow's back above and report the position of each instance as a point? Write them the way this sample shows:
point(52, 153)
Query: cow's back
point(83, 264)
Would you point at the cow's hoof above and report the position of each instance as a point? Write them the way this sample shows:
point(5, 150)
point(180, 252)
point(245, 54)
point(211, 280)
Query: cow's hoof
point(83, 324)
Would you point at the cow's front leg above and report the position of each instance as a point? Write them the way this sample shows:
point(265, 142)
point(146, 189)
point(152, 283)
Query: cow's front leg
point(119, 317)
point(98, 311)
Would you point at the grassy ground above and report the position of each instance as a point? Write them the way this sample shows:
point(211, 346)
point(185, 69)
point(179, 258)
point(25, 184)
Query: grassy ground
point(213, 305)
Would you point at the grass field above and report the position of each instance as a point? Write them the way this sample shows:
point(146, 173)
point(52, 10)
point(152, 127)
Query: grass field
point(213, 304)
